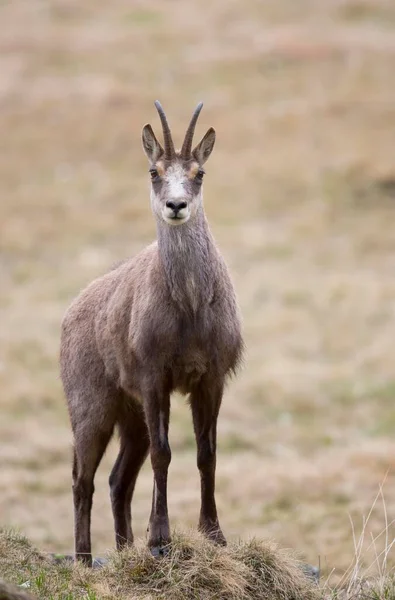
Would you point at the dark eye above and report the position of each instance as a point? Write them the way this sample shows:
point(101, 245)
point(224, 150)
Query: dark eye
point(154, 174)
point(199, 175)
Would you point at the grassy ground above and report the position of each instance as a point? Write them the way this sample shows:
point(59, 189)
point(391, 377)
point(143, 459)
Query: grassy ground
point(194, 569)
point(300, 194)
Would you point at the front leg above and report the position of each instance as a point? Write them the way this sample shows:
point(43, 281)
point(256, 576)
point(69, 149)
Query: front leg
point(205, 402)
point(157, 409)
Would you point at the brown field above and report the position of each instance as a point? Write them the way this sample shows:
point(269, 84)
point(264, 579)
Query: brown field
point(300, 194)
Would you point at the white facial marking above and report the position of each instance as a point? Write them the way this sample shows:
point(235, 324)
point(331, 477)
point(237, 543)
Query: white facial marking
point(175, 178)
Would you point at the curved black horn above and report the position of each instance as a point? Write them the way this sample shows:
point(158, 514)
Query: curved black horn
point(187, 145)
point(168, 141)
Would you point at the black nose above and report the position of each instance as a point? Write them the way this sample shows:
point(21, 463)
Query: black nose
point(176, 206)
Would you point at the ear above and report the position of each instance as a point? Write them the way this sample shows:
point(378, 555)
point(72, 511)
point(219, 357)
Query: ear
point(204, 148)
point(152, 147)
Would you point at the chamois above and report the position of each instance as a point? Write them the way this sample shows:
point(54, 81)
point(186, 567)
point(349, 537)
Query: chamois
point(164, 320)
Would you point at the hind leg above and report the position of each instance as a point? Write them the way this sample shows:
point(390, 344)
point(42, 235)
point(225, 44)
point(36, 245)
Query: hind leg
point(92, 427)
point(133, 452)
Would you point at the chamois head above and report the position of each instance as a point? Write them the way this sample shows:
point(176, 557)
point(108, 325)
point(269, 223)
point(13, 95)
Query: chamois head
point(176, 176)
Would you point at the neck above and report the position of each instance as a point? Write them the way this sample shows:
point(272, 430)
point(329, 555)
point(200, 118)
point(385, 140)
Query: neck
point(186, 252)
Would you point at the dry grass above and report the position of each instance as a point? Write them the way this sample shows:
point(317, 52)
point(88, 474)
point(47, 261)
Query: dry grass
point(194, 568)
point(300, 196)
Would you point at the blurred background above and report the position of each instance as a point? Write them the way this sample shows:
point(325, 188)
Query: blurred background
point(300, 195)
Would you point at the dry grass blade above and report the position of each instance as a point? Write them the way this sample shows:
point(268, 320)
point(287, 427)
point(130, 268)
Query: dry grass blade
point(358, 583)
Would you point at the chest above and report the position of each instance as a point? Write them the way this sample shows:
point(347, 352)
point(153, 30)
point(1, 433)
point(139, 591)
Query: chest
point(192, 347)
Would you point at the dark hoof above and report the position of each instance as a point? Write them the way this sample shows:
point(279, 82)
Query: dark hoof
point(220, 541)
point(159, 551)
point(214, 534)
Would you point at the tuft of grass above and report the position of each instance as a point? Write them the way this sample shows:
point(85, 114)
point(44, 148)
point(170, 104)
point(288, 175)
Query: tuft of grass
point(193, 568)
